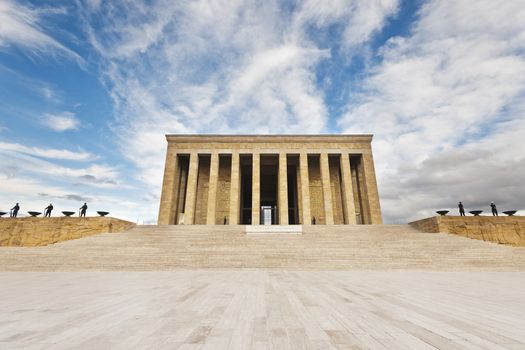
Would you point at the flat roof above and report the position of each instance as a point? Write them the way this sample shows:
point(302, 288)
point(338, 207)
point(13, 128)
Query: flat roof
point(269, 138)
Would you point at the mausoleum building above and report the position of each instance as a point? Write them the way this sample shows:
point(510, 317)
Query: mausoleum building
point(269, 180)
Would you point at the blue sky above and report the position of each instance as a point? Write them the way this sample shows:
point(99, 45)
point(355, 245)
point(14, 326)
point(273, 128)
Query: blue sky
point(88, 89)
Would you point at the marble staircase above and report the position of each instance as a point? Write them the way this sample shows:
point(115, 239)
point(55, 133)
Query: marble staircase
point(362, 247)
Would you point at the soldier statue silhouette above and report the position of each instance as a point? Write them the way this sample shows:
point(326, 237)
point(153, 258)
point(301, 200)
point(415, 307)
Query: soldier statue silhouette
point(83, 210)
point(461, 209)
point(494, 209)
point(14, 210)
point(48, 210)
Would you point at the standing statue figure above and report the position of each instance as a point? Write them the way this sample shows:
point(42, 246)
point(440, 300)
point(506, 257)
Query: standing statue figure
point(494, 209)
point(14, 211)
point(461, 209)
point(48, 210)
point(83, 210)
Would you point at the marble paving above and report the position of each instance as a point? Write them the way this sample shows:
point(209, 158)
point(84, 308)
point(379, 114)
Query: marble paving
point(262, 309)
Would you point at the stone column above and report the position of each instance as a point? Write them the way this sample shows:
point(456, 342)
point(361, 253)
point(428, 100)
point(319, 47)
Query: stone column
point(169, 195)
point(191, 191)
point(299, 194)
point(371, 189)
point(212, 189)
point(235, 187)
point(327, 190)
point(305, 189)
point(347, 190)
point(283, 189)
point(256, 189)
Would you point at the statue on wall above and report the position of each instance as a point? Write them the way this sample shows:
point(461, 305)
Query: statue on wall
point(494, 209)
point(14, 211)
point(48, 210)
point(83, 210)
point(461, 209)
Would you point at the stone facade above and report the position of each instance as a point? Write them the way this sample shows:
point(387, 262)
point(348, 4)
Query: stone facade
point(258, 179)
point(508, 230)
point(30, 232)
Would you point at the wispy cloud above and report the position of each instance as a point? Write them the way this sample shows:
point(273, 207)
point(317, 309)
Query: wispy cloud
point(49, 93)
point(222, 67)
point(444, 100)
point(36, 193)
point(60, 122)
point(446, 104)
point(24, 173)
point(15, 164)
point(46, 152)
point(21, 25)
point(359, 19)
point(93, 5)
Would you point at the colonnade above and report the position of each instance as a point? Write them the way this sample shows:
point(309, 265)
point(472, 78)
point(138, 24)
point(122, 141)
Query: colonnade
point(173, 200)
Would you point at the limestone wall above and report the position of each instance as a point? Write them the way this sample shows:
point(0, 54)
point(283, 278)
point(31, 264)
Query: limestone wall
point(30, 232)
point(508, 230)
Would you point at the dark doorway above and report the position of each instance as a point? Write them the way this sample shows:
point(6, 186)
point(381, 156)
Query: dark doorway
point(246, 189)
point(293, 207)
point(269, 178)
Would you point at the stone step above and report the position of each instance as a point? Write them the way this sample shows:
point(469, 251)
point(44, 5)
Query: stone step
point(318, 247)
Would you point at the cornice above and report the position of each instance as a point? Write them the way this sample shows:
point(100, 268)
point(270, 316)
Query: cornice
point(215, 138)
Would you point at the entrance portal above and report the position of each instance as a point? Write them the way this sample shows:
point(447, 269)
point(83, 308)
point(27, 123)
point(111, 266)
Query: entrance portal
point(269, 181)
point(267, 215)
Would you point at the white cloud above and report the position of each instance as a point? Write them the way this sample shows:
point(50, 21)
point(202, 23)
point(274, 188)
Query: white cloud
point(361, 18)
point(219, 67)
point(35, 177)
point(21, 25)
point(46, 152)
point(445, 101)
point(35, 194)
point(61, 122)
point(16, 163)
point(49, 93)
point(35, 182)
point(93, 4)
point(446, 105)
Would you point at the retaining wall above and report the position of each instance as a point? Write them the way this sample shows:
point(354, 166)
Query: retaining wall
point(30, 232)
point(508, 230)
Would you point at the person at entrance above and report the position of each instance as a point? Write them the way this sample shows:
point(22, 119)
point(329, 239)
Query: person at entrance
point(461, 209)
point(494, 209)
point(83, 210)
point(48, 210)
point(14, 210)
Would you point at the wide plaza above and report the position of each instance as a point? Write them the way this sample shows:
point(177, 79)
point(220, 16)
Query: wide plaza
point(262, 309)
